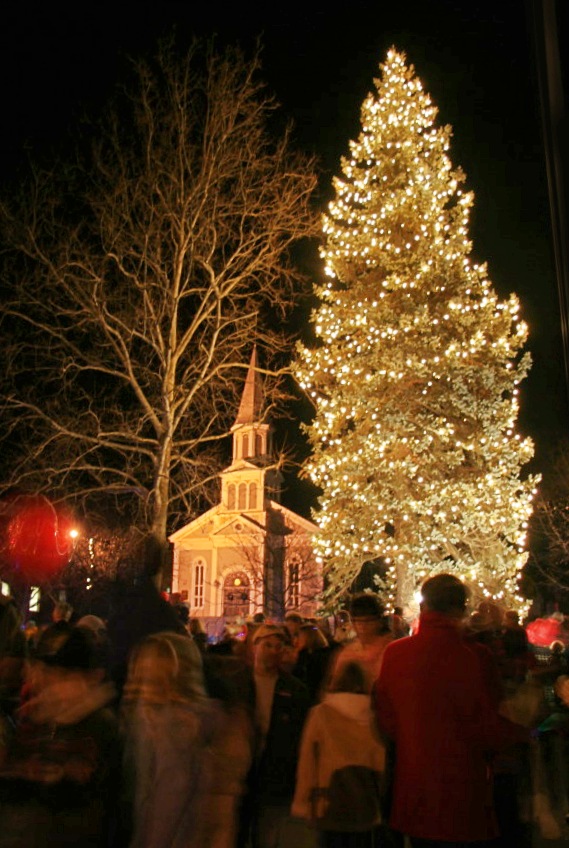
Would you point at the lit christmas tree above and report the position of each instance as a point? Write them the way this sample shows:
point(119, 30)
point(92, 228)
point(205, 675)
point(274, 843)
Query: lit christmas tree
point(415, 377)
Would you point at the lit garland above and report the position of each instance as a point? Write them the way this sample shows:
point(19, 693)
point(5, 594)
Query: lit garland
point(415, 380)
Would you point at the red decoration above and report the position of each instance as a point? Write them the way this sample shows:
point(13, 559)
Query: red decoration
point(39, 543)
point(543, 631)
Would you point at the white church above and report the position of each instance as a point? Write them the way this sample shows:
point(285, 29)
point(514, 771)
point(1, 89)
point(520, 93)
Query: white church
point(249, 553)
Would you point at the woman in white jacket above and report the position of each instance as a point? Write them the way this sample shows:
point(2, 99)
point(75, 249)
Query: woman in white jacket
point(341, 764)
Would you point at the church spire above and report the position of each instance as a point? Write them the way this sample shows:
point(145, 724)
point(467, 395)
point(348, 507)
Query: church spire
point(249, 482)
point(252, 397)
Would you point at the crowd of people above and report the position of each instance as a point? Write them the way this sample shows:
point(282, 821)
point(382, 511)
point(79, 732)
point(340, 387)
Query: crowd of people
point(136, 733)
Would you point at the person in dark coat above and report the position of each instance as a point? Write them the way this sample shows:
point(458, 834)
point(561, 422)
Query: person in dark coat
point(13, 653)
point(138, 611)
point(60, 778)
point(281, 704)
point(313, 660)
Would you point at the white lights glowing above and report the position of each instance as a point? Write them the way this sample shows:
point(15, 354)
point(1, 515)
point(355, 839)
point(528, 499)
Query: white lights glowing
point(415, 375)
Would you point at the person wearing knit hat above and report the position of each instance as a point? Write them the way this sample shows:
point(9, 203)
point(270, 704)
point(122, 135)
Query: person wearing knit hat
point(60, 778)
point(265, 631)
point(371, 627)
point(281, 703)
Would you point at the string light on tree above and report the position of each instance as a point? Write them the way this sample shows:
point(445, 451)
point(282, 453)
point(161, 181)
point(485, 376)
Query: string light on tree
point(415, 380)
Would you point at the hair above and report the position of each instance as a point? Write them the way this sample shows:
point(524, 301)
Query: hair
point(63, 610)
point(477, 621)
point(366, 604)
point(492, 612)
point(67, 648)
point(183, 612)
point(165, 666)
point(511, 617)
point(266, 630)
point(294, 616)
point(93, 623)
point(196, 627)
point(444, 593)
point(313, 637)
point(350, 677)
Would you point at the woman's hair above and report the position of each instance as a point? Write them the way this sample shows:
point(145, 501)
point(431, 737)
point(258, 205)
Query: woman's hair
point(196, 627)
point(313, 637)
point(349, 678)
point(164, 667)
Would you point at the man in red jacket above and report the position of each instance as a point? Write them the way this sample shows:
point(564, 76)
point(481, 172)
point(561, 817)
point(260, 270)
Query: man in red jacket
point(434, 701)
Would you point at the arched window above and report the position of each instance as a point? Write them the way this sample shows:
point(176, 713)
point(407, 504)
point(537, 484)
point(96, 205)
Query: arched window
point(199, 583)
point(231, 496)
point(242, 496)
point(245, 448)
point(258, 445)
point(252, 496)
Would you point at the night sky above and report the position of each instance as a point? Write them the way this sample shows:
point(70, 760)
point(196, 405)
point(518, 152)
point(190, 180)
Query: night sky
point(475, 59)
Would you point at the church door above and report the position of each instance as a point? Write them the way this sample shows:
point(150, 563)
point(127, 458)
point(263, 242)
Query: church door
point(236, 592)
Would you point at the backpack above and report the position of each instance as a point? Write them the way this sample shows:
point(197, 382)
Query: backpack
point(351, 801)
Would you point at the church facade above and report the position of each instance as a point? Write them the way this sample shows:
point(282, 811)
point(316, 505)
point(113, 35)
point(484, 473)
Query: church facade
point(249, 553)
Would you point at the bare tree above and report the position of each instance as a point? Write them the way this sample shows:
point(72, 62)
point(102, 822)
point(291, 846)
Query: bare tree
point(136, 281)
point(548, 565)
point(286, 573)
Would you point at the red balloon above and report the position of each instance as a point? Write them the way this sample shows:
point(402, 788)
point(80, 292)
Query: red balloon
point(543, 631)
point(38, 541)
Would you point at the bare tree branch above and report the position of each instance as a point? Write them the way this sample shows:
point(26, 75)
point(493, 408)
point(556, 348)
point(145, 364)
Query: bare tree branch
point(136, 281)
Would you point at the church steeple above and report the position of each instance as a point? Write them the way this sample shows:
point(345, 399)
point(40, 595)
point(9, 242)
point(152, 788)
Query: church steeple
point(252, 398)
point(250, 435)
point(249, 482)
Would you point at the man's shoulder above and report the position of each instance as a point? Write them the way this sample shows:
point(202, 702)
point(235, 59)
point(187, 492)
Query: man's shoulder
point(420, 649)
point(397, 653)
point(400, 647)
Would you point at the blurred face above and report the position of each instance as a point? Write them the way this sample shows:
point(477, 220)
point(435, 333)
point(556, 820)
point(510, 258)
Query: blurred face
point(268, 654)
point(293, 628)
point(153, 673)
point(302, 640)
point(367, 628)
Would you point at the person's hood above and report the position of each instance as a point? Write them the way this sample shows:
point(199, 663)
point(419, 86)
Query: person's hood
point(353, 706)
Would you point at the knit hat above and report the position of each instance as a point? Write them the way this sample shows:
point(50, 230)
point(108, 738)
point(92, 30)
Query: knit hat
point(70, 648)
point(266, 630)
point(94, 623)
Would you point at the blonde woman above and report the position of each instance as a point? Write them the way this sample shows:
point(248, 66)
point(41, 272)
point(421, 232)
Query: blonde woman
point(168, 721)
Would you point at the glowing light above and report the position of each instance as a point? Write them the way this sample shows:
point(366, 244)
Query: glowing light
point(415, 376)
